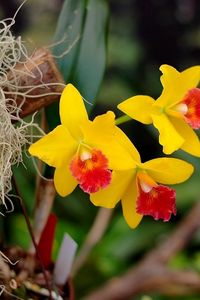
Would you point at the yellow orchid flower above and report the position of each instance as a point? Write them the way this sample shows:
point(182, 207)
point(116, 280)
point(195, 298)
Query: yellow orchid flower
point(138, 187)
point(81, 151)
point(174, 113)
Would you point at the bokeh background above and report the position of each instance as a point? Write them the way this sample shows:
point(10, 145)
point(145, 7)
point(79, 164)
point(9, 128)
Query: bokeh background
point(142, 35)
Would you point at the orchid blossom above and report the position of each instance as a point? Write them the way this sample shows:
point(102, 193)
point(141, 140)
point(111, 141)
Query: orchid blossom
point(138, 188)
point(175, 113)
point(82, 151)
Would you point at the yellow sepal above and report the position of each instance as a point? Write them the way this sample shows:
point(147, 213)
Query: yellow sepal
point(72, 110)
point(55, 148)
point(139, 108)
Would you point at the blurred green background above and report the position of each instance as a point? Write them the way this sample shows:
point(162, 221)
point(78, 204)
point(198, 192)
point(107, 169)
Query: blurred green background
point(142, 35)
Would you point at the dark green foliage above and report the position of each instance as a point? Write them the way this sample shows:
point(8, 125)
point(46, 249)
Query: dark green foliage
point(80, 48)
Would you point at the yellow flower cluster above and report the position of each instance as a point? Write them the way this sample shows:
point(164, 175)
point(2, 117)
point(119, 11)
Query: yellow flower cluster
point(99, 157)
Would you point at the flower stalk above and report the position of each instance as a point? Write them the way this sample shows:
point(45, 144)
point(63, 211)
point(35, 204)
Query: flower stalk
point(123, 119)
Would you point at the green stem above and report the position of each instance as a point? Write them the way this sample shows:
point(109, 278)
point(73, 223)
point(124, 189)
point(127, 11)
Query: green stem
point(122, 119)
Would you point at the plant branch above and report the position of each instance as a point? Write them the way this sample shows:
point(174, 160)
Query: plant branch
point(95, 234)
point(152, 273)
point(45, 198)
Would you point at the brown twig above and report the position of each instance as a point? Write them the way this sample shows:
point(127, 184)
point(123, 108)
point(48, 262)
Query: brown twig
point(71, 289)
point(95, 234)
point(173, 283)
point(152, 274)
point(45, 198)
point(5, 273)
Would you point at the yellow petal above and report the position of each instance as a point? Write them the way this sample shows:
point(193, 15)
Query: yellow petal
point(100, 134)
point(124, 140)
point(109, 196)
point(55, 148)
point(170, 75)
point(139, 108)
point(176, 84)
point(64, 182)
point(72, 110)
point(118, 157)
point(191, 77)
point(102, 126)
point(191, 141)
point(168, 170)
point(169, 137)
point(129, 205)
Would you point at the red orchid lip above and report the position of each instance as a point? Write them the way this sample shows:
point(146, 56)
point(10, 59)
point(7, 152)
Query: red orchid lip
point(192, 101)
point(159, 202)
point(90, 168)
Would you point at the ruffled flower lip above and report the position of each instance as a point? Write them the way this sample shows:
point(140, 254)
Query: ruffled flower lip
point(90, 168)
point(159, 202)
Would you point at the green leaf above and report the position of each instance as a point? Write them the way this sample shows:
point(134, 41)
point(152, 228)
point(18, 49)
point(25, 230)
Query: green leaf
point(80, 48)
point(90, 65)
point(84, 29)
point(19, 234)
point(68, 35)
point(67, 42)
